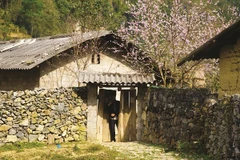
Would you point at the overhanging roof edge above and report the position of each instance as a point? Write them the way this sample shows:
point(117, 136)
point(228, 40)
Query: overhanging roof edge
point(194, 55)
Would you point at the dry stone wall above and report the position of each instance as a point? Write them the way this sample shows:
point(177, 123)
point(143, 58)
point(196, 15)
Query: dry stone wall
point(53, 116)
point(174, 115)
point(223, 128)
point(208, 124)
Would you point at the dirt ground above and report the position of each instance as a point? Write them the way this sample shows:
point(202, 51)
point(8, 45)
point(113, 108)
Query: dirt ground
point(137, 150)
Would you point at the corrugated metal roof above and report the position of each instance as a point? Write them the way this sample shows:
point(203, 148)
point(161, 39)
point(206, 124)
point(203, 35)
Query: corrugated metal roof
point(28, 53)
point(107, 78)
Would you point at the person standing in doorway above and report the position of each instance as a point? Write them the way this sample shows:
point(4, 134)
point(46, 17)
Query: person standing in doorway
point(113, 107)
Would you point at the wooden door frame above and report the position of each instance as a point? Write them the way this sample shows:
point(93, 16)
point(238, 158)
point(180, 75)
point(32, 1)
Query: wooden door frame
point(101, 120)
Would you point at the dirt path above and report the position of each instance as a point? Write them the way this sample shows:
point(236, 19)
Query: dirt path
point(138, 150)
point(131, 150)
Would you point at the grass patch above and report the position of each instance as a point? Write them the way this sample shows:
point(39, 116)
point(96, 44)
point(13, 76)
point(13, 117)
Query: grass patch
point(184, 150)
point(20, 146)
point(55, 157)
point(105, 154)
point(192, 151)
point(88, 151)
point(95, 147)
point(76, 148)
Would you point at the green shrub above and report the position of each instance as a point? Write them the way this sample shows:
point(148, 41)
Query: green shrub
point(191, 147)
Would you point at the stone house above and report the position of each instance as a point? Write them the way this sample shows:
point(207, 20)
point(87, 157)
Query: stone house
point(76, 60)
point(226, 47)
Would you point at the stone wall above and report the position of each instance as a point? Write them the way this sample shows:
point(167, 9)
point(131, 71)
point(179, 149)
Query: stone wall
point(174, 115)
point(194, 116)
point(223, 128)
point(53, 116)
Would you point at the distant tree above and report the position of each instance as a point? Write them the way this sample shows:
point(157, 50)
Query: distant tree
point(8, 13)
point(167, 31)
point(93, 14)
point(49, 17)
point(38, 17)
point(4, 3)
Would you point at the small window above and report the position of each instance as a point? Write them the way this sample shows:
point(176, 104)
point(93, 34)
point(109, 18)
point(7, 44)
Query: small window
point(96, 58)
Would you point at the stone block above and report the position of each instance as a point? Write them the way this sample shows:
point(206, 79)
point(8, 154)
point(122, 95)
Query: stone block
point(74, 95)
point(69, 139)
point(25, 122)
point(64, 133)
point(50, 138)
point(41, 137)
point(52, 129)
point(4, 127)
point(76, 137)
point(74, 128)
point(144, 116)
point(76, 110)
point(57, 121)
point(34, 114)
point(20, 135)
point(40, 128)
point(82, 128)
point(12, 131)
point(32, 138)
point(60, 107)
point(45, 130)
point(2, 135)
point(9, 119)
point(15, 125)
point(11, 138)
point(32, 127)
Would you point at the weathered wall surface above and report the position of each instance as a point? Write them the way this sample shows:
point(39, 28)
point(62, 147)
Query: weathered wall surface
point(63, 72)
point(60, 72)
point(174, 115)
point(194, 116)
point(229, 69)
point(57, 115)
point(19, 79)
point(222, 127)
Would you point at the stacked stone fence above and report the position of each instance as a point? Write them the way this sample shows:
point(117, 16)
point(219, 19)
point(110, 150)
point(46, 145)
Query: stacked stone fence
point(222, 128)
point(174, 115)
point(195, 116)
point(170, 116)
point(52, 116)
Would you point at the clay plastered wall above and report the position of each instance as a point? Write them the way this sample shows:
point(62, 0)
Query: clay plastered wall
point(19, 79)
point(230, 70)
point(66, 74)
point(174, 115)
point(52, 116)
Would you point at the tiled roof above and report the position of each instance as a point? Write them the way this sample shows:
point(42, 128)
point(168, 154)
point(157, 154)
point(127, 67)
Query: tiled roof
point(108, 78)
point(28, 53)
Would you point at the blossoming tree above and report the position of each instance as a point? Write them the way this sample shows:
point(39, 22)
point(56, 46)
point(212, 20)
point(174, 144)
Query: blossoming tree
point(166, 32)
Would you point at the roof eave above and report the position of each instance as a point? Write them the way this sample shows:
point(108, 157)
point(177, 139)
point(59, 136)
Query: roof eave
point(213, 45)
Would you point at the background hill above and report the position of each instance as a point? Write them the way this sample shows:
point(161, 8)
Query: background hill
point(36, 18)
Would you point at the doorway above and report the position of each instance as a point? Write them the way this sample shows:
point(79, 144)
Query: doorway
point(126, 130)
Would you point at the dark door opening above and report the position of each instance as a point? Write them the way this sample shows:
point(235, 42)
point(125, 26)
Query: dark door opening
point(126, 130)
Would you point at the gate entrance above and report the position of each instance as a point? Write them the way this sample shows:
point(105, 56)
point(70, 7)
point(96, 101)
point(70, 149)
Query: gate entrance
point(126, 130)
